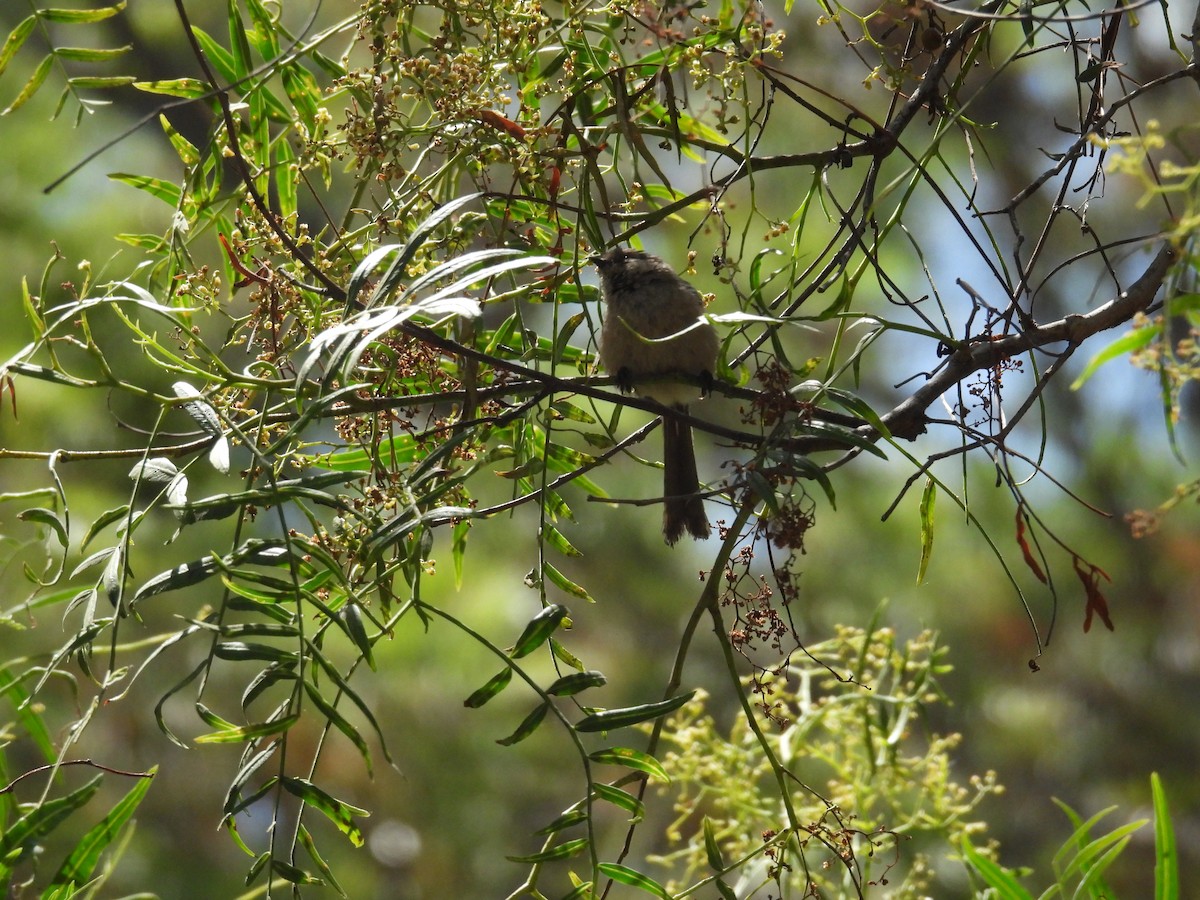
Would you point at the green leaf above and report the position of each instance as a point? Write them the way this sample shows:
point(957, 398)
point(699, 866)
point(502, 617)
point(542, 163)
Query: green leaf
point(81, 15)
point(712, 850)
point(292, 874)
point(15, 40)
point(166, 191)
point(21, 837)
point(1166, 855)
point(575, 682)
point(1001, 881)
point(27, 714)
point(1122, 346)
point(564, 584)
point(190, 88)
point(928, 498)
point(31, 86)
point(48, 518)
point(569, 819)
point(310, 847)
point(351, 618)
point(285, 177)
point(561, 851)
point(632, 878)
point(81, 863)
point(238, 43)
point(252, 732)
point(621, 799)
point(339, 812)
point(92, 54)
point(540, 627)
point(100, 82)
point(630, 759)
point(528, 725)
point(494, 686)
point(218, 57)
point(610, 719)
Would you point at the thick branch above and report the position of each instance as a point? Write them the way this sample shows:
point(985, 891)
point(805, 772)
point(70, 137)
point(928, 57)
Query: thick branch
point(908, 419)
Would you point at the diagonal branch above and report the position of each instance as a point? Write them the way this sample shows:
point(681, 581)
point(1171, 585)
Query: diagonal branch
point(907, 420)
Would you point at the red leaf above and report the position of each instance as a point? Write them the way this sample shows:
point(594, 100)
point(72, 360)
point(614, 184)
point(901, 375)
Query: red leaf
point(1025, 551)
point(1090, 576)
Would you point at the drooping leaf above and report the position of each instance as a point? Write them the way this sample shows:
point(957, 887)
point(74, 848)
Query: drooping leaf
point(494, 686)
point(339, 812)
point(540, 627)
point(528, 725)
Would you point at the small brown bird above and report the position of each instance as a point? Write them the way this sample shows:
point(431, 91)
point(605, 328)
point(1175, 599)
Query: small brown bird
point(648, 301)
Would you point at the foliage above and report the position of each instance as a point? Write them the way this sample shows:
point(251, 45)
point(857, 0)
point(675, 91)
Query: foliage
point(872, 796)
point(362, 334)
point(1080, 863)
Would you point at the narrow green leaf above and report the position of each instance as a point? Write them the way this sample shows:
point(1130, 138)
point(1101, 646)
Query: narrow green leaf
point(561, 851)
point(92, 54)
point(633, 878)
point(351, 619)
point(286, 176)
point(339, 812)
point(565, 656)
point(564, 584)
point(166, 191)
point(569, 819)
point(27, 714)
point(575, 682)
point(1002, 882)
point(248, 732)
point(239, 45)
point(1126, 344)
point(527, 727)
point(610, 719)
point(21, 837)
point(630, 759)
point(712, 850)
point(190, 88)
point(186, 150)
point(31, 86)
point(81, 863)
point(243, 651)
point(15, 40)
point(48, 518)
point(622, 799)
point(81, 15)
point(218, 57)
point(1166, 854)
point(928, 498)
point(100, 82)
point(265, 33)
point(494, 686)
point(310, 847)
point(342, 724)
point(292, 874)
point(302, 89)
point(538, 630)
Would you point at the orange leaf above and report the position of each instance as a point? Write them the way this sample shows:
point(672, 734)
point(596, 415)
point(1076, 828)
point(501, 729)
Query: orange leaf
point(1025, 551)
point(1091, 586)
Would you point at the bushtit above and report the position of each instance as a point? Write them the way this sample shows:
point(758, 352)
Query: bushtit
point(648, 301)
